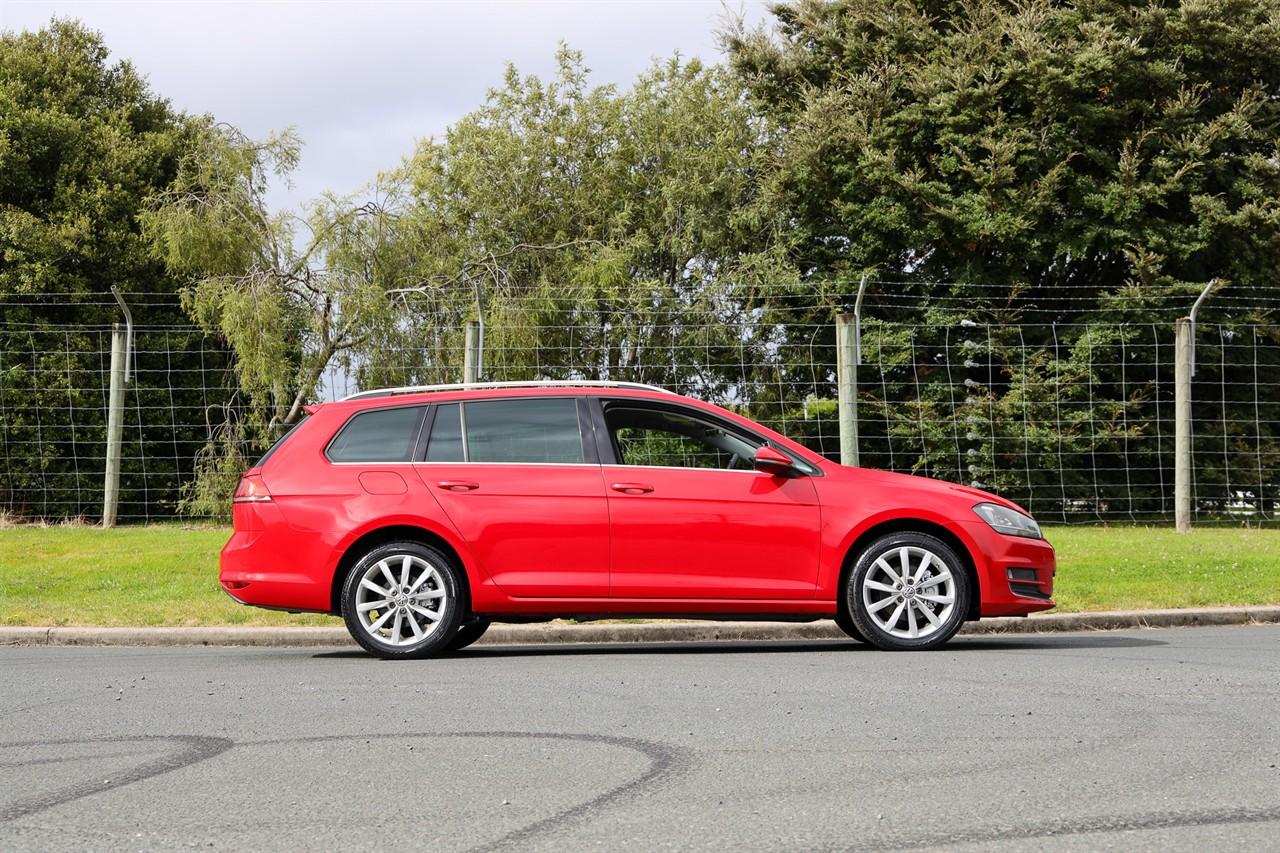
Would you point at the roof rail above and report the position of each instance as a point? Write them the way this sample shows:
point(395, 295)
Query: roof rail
point(473, 386)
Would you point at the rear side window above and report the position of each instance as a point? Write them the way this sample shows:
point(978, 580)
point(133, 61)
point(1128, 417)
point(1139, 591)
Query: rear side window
point(382, 435)
point(532, 429)
point(280, 441)
point(445, 442)
point(529, 430)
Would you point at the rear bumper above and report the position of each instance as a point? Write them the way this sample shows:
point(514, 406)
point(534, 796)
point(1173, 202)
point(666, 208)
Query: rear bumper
point(259, 569)
point(1016, 574)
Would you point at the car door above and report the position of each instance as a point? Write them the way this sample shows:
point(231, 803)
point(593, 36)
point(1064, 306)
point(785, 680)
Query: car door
point(691, 518)
point(524, 490)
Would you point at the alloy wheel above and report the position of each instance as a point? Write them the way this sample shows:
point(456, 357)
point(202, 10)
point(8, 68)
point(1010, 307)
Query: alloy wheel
point(909, 592)
point(401, 600)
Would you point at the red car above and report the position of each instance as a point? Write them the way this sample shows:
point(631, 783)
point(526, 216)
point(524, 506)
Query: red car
point(420, 515)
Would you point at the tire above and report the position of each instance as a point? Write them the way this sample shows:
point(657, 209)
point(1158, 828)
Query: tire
point(403, 629)
point(925, 607)
point(467, 634)
point(846, 623)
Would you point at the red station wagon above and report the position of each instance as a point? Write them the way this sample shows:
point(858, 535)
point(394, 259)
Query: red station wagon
point(421, 515)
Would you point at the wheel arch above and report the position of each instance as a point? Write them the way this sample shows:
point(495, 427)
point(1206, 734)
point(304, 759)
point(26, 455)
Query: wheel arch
point(914, 525)
point(371, 539)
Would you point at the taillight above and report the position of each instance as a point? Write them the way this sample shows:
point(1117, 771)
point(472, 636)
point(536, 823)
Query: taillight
point(251, 490)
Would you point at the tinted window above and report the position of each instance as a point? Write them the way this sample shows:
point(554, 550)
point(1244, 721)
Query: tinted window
point(669, 440)
point(280, 441)
point(445, 442)
point(385, 435)
point(529, 430)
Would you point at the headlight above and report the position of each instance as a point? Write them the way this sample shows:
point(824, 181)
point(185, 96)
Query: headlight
point(1009, 521)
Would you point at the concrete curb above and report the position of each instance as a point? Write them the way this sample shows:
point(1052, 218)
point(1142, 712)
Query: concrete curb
point(555, 633)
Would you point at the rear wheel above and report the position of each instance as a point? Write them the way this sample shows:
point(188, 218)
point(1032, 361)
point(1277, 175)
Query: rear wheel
point(468, 634)
point(908, 591)
point(402, 600)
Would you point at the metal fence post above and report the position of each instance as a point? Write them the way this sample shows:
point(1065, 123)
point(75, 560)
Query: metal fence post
point(115, 427)
point(847, 387)
point(1182, 348)
point(471, 356)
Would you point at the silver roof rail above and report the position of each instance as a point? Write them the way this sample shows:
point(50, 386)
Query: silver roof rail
point(481, 386)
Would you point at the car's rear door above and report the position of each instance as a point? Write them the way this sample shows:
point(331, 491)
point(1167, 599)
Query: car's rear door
point(524, 490)
point(691, 518)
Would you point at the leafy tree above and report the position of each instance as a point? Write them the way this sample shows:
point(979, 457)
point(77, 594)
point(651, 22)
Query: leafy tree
point(83, 142)
point(288, 292)
point(1065, 150)
point(1051, 163)
point(603, 230)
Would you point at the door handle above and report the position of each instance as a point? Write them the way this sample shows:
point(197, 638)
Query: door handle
point(632, 488)
point(457, 485)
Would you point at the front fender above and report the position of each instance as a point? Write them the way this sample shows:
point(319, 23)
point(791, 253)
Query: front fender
point(843, 538)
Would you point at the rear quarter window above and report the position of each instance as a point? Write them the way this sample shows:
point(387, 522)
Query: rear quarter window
point(380, 435)
point(279, 442)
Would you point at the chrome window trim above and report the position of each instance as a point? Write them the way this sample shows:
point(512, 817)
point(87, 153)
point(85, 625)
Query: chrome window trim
point(473, 464)
point(682, 468)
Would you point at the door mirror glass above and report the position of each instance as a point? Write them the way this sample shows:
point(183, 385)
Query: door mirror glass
point(772, 461)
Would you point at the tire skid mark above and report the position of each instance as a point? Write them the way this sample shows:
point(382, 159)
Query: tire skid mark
point(194, 749)
point(64, 759)
point(1067, 827)
point(665, 763)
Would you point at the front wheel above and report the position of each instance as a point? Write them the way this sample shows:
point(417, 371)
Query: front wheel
point(908, 591)
point(845, 622)
point(402, 601)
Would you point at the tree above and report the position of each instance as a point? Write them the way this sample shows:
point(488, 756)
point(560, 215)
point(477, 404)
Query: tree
point(1054, 165)
point(1069, 150)
point(289, 292)
point(83, 142)
point(602, 229)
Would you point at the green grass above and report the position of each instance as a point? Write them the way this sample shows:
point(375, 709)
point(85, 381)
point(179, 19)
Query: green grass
point(167, 574)
point(155, 575)
point(1124, 568)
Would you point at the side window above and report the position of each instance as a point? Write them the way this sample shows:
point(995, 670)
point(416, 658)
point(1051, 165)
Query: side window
point(655, 437)
point(532, 429)
point(279, 442)
point(382, 435)
point(445, 442)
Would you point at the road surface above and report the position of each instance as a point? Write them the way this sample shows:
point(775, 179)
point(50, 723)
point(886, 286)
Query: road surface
point(1153, 739)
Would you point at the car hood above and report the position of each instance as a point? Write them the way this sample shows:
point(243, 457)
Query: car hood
point(941, 488)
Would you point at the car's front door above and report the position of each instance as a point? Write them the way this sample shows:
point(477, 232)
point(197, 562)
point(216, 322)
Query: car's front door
point(524, 491)
point(691, 518)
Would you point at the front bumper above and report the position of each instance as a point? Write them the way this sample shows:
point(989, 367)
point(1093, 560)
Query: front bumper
point(1015, 574)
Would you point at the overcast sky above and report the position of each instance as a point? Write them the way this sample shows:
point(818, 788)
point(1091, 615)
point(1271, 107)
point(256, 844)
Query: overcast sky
point(362, 81)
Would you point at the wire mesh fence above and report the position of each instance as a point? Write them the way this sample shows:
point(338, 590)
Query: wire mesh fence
point(1073, 421)
point(53, 418)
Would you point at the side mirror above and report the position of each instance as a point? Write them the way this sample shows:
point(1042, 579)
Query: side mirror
point(773, 462)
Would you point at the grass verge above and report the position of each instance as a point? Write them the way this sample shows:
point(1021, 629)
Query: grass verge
point(167, 574)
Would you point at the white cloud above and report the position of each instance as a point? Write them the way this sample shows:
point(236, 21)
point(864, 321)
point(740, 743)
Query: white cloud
point(363, 81)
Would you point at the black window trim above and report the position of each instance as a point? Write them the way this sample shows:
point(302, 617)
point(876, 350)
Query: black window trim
point(609, 452)
point(587, 433)
point(414, 442)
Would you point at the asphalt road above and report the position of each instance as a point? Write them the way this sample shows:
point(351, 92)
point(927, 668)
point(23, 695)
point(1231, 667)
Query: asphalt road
point(1156, 739)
